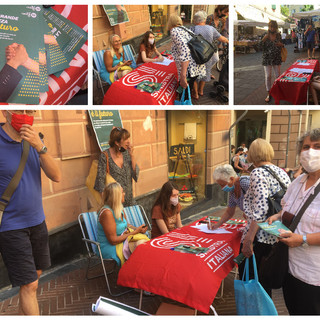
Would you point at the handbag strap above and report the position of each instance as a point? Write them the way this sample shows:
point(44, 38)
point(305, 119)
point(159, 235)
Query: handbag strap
point(297, 218)
point(107, 159)
point(275, 176)
point(246, 268)
point(12, 186)
point(186, 29)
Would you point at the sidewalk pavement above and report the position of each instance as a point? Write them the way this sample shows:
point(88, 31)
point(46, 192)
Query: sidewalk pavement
point(64, 290)
point(249, 85)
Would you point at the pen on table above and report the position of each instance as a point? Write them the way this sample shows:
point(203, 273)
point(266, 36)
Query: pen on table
point(209, 223)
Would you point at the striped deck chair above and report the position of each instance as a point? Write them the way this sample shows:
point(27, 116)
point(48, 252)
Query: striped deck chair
point(130, 54)
point(137, 217)
point(98, 61)
point(88, 226)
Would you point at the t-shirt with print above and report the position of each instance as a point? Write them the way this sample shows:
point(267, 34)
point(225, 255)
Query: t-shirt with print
point(158, 214)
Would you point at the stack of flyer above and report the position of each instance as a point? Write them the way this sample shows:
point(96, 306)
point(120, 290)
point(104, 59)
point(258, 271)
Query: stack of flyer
point(34, 42)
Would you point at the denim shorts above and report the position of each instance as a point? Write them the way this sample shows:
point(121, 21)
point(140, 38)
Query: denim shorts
point(24, 251)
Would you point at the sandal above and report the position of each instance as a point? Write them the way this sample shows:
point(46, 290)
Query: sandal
point(267, 99)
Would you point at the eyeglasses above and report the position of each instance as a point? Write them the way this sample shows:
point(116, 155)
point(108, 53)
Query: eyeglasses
point(118, 128)
point(28, 112)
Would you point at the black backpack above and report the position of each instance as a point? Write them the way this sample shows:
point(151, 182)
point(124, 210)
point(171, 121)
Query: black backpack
point(201, 50)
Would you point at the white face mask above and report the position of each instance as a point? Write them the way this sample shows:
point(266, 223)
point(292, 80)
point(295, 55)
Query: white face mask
point(151, 41)
point(174, 200)
point(310, 160)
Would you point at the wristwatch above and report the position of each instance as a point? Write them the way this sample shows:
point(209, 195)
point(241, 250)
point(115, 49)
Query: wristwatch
point(304, 241)
point(43, 150)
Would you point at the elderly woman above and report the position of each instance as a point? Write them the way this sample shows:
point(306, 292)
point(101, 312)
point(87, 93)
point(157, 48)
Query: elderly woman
point(210, 34)
point(263, 184)
point(186, 66)
point(302, 285)
point(148, 49)
point(229, 181)
point(120, 161)
point(271, 55)
point(114, 61)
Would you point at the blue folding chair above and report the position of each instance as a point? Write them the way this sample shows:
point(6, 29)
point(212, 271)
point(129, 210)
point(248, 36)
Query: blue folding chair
point(136, 216)
point(130, 54)
point(88, 226)
point(98, 62)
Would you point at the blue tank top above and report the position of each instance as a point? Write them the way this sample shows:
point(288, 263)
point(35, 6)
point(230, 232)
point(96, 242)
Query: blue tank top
point(104, 74)
point(108, 250)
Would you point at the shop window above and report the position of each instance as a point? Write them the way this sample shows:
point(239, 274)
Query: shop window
point(187, 156)
point(158, 16)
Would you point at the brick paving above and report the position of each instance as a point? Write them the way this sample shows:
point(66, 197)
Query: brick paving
point(66, 291)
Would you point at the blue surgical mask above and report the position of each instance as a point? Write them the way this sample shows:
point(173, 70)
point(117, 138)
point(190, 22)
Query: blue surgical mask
point(226, 188)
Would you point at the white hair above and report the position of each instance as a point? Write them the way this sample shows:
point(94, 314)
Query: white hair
point(224, 172)
point(199, 17)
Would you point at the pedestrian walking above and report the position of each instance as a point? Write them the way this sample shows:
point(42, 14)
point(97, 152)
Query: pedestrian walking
point(310, 34)
point(271, 56)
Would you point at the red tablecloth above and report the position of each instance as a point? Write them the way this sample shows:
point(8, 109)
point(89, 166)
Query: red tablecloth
point(188, 278)
point(123, 91)
point(63, 88)
point(293, 91)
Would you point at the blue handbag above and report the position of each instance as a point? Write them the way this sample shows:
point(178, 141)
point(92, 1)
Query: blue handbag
point(250, 296)
point(183, 101)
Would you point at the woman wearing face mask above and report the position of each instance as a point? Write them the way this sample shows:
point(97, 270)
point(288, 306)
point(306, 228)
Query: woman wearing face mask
point(237, 186)
point(219, 22)
point(271, 56)
point(148, 49)
point(302, 285)
point(122, 164)
point(166, 210)
point(263, 184)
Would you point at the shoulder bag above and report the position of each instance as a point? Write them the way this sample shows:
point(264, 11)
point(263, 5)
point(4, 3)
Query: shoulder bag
point(274, 201)
point(12, 186)
point(201, 50)
point(91, 178)
point(274, 267)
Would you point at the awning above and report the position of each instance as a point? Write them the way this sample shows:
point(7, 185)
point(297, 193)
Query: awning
point(307, 14)
point(253, 14)
point(249, 23)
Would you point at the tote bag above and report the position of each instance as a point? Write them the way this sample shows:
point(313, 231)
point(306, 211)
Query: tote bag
point(184, 101)
point(251, 298)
